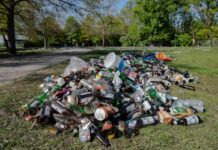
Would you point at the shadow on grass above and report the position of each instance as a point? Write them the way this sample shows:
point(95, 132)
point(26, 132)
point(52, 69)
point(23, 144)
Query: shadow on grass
point(202, 70)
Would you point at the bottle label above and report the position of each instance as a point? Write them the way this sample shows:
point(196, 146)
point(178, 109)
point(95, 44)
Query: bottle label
point(148, 120)
point(84, 134)
point(146, 105)
point(178, 110)
point(130, 108)
point(192, 120)
point(85, 97)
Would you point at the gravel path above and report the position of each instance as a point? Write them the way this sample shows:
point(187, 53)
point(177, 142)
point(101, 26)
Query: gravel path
point(16, 67)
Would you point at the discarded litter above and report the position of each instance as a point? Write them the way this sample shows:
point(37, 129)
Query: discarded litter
point(113, 96)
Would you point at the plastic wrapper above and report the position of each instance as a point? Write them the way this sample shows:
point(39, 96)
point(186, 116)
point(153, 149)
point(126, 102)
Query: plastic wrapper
point(76, 64)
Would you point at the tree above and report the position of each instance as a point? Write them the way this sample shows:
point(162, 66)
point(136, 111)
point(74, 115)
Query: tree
point(72, 30)
point(99, 9)
point(87, 33)
point(51, 31)
point(26, 22)
point(8, 8)
point(206, 11)
point(151, 21)
point(3, 28)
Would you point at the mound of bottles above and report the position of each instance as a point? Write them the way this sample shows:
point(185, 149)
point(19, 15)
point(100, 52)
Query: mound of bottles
point(113, 96)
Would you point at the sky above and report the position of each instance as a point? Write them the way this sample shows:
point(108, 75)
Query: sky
point(120, 4)
point(117, 6)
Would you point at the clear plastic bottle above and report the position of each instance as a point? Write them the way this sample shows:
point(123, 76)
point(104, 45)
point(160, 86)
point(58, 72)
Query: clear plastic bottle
point(196, 104)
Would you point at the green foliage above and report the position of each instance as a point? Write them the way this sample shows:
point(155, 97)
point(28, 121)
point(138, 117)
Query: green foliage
point(29, 44)
point(51, 31)
point(72, 31)
point(150, 22)
point(183, 40)
point(203, 34)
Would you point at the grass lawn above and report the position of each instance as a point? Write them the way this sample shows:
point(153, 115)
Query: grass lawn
point(26, 52)
point(15, 133)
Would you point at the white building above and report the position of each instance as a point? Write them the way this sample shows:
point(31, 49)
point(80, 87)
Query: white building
point(19, 39)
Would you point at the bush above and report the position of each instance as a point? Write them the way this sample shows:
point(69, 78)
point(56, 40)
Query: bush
point(29, 44)
point(183, 40)
point(124, 40)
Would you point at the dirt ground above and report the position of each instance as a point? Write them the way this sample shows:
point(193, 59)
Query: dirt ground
point(17, 67)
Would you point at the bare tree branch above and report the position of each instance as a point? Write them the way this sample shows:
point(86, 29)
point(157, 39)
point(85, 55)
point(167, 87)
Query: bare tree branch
point(3, 4)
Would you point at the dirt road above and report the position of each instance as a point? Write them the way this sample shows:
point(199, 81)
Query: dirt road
point(16, 67)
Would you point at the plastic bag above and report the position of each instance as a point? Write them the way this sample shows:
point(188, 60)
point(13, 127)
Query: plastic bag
point(76, 64)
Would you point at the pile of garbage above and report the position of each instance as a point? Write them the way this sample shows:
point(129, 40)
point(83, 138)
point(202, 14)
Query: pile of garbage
point(113, 96)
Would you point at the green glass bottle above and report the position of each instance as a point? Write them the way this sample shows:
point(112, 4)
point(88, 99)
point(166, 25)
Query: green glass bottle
point(42, 98)
point(152, 93)
point(122, 76)
point(55, 88)
point(77, 108)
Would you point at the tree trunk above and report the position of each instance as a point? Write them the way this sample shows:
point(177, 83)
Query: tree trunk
point(45, 37)
point(5, 41)
point(11, 31)
point(103, 40)
point(45, 42)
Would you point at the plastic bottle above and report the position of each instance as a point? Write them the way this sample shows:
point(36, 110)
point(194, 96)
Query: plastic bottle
point(99, 136)
point(145, 121)
point(191, 120)
point(45, 114)
point(196, 104)
point(60, 82)
point(84, 133)
point(86, 84)
point(149, 108)
point(180, 112)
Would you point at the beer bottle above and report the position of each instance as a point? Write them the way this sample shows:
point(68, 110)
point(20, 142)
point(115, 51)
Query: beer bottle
point(149, 108)
point(145, 121)
point(188, 121)
point(99, 136)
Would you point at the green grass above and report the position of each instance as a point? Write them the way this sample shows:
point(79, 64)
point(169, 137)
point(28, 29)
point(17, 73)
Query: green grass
point(16, 133)
point(26, 52)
